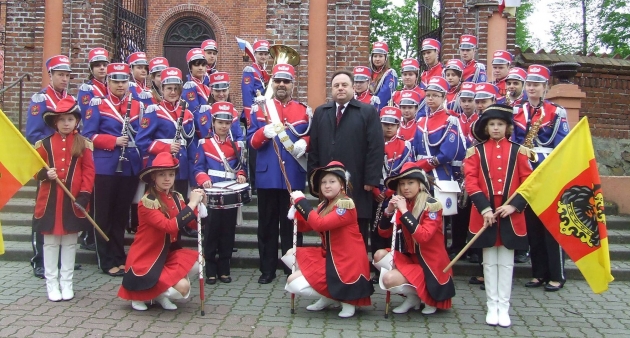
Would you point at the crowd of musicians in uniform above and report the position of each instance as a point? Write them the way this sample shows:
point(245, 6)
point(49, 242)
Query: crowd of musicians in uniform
point(141, 145)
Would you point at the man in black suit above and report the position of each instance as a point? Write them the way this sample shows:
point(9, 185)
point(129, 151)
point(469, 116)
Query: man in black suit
point(350, 132)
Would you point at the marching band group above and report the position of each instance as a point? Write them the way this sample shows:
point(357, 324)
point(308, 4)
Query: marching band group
point(149, 151)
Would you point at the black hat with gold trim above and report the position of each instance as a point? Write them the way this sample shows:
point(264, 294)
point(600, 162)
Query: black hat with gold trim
point(163, 161)
point(495, 111)
point(408, 170)
point(67, 105)
point(334, 167)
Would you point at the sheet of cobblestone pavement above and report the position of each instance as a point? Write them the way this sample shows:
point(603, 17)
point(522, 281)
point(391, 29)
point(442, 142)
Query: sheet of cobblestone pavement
point(245, 308)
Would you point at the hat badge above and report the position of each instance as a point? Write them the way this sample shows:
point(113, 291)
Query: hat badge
point(467, 86)
point(359, 69)
point(426, 42)
point(119, 67)
point(99, 52)
point(390, 112)
point(283, 68)
point(480, 87)
point(158, 61)
point(378, 44)
point(142, 55)
point(435, 80)
point(465, 38)
point(405, 95)
point(535, 70)
point(171, 73)
point(224, 107)
point(219, 77)
point(498, 53)
point(64, 59)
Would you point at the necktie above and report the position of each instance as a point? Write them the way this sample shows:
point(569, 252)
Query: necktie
point(339, 113)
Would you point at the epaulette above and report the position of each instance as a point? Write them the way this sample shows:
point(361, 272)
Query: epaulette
point(38, 144)
point(88, 143)
point(201, 141)
point(204, 108)
point(480, 65)
point(309, 110)
point(96, 100)
point(561, 112)
point(85, 87)
point(38, 97)
point(470, 152)
point(375, 100)
point(151, 108)
point(531, 155)
point(345, 203)
point(150, 202)
point(393, 71)
point(189, 84)
point(452, 119)
point(516, 108)
point(145, 95)
point(132, 84)
point(179, 196)
point(249, 69)
point(433, 205)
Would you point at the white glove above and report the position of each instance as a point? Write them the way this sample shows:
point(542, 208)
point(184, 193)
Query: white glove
point(291, 214)
point(203, 211)
point(299, 148)
point(270, 131)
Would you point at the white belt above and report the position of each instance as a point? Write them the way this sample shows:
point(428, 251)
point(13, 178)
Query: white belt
point(543, 150)
point(422, 157)
point(456, 163)
point(223, 174)
point(170, 141)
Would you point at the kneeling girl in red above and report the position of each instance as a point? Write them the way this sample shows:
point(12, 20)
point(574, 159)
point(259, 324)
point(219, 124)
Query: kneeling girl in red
point(338, 271)
point(414, 267)
point(493, 170)
point(69, 157)
point(157, 267)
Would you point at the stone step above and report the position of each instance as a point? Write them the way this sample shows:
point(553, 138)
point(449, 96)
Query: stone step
point(248, 258)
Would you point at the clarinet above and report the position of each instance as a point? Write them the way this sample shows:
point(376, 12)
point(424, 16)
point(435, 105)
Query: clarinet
point(125, 132)
point(180, 122)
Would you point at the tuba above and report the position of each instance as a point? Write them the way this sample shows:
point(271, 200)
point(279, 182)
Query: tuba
point(281, 54)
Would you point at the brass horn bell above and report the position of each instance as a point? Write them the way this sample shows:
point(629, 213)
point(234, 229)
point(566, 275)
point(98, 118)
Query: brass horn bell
point(281, 54)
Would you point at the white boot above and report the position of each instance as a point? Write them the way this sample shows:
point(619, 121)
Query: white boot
point(347, 310)
point(51, 266)
point(429, 310)
point(505, 267)
point(322, 303)
point(289, 260)
point(412, 301)
point(138, 305)
point(68, 254)
point(166, 303)
point(301, 287)
point(490, 277)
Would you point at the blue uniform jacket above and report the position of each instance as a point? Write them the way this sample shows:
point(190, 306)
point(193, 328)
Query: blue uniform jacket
point(440, 129)
point(36, 128)
point(103, 123)
point(139, 94)
point(157, 130)
point(88, 91)
point(209, 159)
point(253, 79)
point(386, 87)
point(268, 174)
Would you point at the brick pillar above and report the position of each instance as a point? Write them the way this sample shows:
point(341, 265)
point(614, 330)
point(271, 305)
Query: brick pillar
point(475, 17)
point(570, 97)
point(53, 22)
point(318, 16)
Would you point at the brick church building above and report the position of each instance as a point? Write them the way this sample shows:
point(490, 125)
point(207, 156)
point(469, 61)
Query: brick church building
point(327, 34)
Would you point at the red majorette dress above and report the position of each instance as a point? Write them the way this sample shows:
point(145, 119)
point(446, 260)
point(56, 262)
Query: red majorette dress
point(155, 261)
point(339, 269)
point(421, 256)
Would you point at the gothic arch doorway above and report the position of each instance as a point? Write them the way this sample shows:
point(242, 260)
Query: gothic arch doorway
point(182, 35)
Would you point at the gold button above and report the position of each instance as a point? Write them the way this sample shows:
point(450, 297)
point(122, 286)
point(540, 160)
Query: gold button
point(498, 156)
point(499, 192)
point(63, 148)
point(63, 159)
point(63, 139)
point(500, 180)
point(499, 168)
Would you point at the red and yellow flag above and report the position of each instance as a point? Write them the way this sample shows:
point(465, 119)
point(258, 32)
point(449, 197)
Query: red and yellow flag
point(565, 192)
point(19, 162)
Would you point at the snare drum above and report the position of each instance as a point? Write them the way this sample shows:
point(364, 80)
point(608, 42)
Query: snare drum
point(228, 194)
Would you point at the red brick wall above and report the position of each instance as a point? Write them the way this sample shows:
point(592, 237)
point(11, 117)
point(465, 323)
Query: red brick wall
point(228, 19)
point(470, 17)
point(607, 100)
point(90, 25)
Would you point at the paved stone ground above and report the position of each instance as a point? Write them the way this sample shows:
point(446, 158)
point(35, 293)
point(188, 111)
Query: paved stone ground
point(245, 308)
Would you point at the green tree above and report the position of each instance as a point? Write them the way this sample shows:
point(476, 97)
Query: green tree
point(524, 37)
point(576, 26)
point(615, 26)
point(398, 26)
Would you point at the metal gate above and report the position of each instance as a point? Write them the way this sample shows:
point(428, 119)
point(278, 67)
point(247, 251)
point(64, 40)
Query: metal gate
point(130, 30)
point(429, 25)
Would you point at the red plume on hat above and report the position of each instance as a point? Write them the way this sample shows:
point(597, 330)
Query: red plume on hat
point(67, 105)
